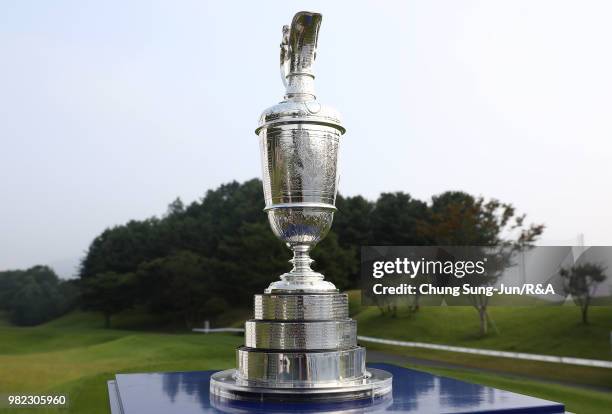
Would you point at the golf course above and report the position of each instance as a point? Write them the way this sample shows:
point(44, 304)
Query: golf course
point(75, 355)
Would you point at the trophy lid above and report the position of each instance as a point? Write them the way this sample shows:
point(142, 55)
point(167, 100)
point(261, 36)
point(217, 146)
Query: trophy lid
point(297, 56)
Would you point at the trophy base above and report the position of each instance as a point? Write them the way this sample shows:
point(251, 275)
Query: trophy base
point(228, 385)
point(414, 392)
point(300, 347)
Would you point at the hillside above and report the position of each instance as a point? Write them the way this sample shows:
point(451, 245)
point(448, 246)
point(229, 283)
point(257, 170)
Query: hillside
point(543, 330)
point(66, 357)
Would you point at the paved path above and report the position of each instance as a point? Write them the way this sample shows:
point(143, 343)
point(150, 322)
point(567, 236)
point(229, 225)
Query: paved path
point(492, 352)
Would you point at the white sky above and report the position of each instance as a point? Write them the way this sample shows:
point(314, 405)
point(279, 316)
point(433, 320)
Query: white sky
point(109, 110)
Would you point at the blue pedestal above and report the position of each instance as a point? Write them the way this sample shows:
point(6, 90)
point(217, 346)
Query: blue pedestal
point(413, 392)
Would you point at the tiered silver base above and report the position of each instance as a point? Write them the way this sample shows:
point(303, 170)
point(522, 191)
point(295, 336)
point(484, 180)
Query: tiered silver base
point(301, 346)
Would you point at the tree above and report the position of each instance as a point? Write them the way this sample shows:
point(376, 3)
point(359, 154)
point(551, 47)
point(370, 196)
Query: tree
point(395, 219)
point(337, 263)
point(581, 281)
point(34, 295)
point(459, 219)
point(181, 283)
point(9, 283)
point(122, 248)
point(353, 228)
point(109, 293)
point(33, 303)
point(352, 221)
point(177, 207)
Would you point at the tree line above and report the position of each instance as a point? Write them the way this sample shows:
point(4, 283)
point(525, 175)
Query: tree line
point(198, 260)
point(35, 295)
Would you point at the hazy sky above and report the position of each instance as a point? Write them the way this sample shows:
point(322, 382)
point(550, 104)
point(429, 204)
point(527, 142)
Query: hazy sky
point(111, 109)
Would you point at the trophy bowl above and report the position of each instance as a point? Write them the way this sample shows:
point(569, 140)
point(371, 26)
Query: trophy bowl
point(301, 226)
point(299, 163)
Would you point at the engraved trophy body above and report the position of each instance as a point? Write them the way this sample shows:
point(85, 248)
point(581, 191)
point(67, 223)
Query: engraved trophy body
point(299, 141)
point(301, 342)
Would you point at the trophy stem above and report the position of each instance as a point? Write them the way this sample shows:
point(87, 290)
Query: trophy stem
point(301, 264)
point(301, 278)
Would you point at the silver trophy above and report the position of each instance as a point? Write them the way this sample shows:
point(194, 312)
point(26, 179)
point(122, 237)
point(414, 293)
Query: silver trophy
point(301, 343)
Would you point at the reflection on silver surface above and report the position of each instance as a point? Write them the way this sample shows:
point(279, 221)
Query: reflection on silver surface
point(301, 345)
point(300, 369)
point(375, 383)
point(414, 392)
point(300, 225)
point(366, 405)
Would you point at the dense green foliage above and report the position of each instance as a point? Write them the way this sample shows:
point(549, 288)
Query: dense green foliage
point(198, 260)
point(35, 295)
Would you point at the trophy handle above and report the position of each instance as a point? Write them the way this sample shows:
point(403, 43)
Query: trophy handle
point(284, 55)
point(298, 50)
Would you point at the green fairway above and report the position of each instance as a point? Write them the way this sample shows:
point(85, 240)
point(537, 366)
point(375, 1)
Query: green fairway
point(64, 357)
point(551, 330)
point(576, 400)
point(75, 356)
